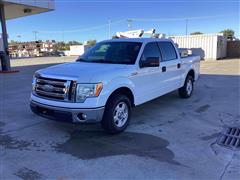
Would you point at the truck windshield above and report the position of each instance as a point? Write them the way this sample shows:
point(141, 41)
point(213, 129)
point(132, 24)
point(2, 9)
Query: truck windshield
point(112, 52)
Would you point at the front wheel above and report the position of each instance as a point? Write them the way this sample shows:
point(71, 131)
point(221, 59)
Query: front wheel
point(117, 114)
point(187, 90)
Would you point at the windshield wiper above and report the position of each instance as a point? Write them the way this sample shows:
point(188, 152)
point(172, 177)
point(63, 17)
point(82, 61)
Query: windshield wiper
point(98, 61)
point(81, 60)
point(105, 61)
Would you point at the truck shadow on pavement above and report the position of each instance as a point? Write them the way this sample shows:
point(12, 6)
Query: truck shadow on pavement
point(97, 144)
point(92, 144)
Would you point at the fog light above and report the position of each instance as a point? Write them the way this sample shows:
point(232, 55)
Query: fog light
point(82, 116)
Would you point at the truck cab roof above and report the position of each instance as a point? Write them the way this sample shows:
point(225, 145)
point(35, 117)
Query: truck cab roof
point(141, 40)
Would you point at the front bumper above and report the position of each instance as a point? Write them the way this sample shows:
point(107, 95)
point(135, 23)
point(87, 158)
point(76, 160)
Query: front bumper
point(67, 114)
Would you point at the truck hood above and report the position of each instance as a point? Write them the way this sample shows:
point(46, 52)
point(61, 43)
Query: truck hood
point(82, 72)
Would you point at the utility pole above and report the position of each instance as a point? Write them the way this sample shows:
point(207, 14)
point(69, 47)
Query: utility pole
point(19, 37)
point(129, 24)
point(63, 36)
point(109, 29)
point(186, 27)
point(35, 35)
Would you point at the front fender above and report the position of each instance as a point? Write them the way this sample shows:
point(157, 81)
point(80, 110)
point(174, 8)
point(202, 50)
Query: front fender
point(113, 85)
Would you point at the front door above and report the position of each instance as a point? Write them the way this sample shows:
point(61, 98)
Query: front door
point(147, 79)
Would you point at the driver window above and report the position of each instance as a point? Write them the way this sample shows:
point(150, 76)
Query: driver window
point(151, 50)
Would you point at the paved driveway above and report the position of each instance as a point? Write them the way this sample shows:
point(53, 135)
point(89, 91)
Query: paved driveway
point(168, 138)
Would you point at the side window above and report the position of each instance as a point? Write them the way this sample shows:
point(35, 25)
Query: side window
point(151, 50)
point(167, 50)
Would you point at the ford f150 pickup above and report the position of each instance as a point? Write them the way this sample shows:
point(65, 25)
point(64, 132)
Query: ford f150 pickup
point(112, 77)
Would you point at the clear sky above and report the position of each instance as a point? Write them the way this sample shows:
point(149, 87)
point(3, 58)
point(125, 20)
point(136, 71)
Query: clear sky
point(84, 20)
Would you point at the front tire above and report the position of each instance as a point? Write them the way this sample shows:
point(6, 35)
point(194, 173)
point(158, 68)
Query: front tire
point(187, 90)
point(117, 114)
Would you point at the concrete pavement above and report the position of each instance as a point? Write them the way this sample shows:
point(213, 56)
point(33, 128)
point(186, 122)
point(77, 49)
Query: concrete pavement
point(168, 138)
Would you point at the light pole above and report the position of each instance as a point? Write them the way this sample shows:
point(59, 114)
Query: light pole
point(129, 24)
point(109, 29)
point(19, 36)
point(35, 35)
point(186, 27)
point(63, 36)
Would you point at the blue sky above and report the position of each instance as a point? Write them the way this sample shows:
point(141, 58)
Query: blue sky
point(76, 20)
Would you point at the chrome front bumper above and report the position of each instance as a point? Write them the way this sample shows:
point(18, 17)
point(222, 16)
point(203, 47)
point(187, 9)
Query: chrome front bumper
point(67, 114)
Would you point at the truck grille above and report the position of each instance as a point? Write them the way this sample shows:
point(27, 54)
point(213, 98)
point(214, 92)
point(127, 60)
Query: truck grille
point(53, 88)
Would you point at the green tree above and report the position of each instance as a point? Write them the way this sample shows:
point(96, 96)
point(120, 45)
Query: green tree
point(13, 42)
point(229, 33)
point(91, 42)
point(61, 46)
point(196, 33)
point(72, 43)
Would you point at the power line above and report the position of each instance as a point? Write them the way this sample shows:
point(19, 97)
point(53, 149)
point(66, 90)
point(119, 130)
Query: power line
point(130, 20)
point(84, 29)
point(179, 19)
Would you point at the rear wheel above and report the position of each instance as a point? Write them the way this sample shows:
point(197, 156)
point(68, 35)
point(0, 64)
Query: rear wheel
point(187, 90)
point(117, 114)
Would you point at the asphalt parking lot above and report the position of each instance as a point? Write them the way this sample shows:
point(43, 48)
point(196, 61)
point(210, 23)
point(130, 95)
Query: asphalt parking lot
point(168, 138)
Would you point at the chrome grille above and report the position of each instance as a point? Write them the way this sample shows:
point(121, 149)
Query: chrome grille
point(53, 88)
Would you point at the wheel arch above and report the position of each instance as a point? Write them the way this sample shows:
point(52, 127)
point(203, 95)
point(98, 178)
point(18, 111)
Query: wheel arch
point(191, 72)
point(126, 91)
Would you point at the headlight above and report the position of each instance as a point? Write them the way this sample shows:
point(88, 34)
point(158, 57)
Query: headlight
point(87, 90)
point(34, 83)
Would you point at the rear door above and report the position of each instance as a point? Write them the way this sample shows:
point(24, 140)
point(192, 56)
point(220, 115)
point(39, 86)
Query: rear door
point(170, 65)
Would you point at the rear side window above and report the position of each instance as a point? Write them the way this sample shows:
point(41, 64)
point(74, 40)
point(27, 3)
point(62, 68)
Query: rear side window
point(167, 50)
point(150, 50)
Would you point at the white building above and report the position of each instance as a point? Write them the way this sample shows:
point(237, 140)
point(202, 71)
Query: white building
point(207, 46)
point(77, 50)
point(47, 46)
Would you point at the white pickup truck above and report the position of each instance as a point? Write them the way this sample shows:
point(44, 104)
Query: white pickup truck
point(112, 77)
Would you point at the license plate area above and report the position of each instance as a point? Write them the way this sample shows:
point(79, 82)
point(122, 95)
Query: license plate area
point(57, 115)
point(45, 111)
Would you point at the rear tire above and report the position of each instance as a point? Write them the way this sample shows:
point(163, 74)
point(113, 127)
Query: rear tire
point(117, 114)
point(187, 90)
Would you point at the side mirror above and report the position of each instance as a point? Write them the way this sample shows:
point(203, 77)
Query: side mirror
point(183, 52)
point(150, 62)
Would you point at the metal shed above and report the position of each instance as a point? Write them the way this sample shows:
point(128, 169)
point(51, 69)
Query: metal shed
point(207, 46)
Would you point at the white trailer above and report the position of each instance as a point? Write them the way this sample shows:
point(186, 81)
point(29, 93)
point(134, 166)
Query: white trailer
point(207, 46)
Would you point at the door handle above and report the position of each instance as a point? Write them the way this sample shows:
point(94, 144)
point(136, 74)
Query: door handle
point(164, 69)
point(178, 65)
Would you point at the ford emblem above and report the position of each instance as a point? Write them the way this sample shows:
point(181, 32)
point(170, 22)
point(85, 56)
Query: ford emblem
point(48, 88)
